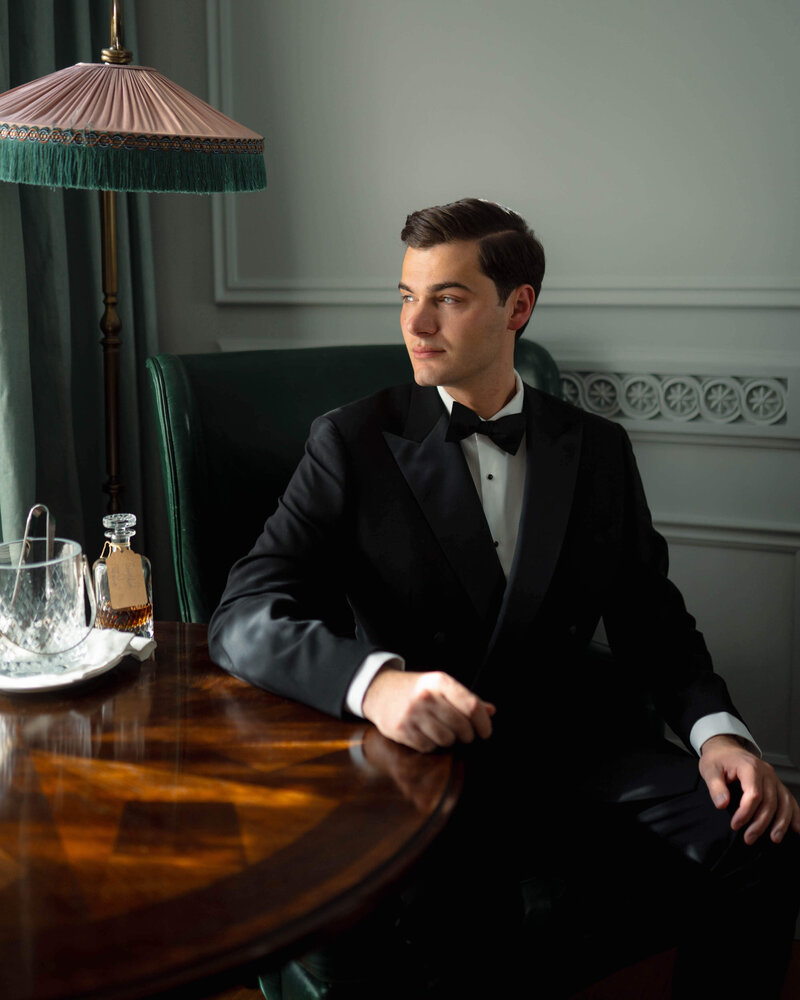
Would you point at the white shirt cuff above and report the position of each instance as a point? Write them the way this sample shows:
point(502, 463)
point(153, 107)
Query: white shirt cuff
point(720, 724)
point(363, 678)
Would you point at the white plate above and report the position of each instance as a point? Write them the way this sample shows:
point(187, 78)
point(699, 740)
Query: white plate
point(102, 650)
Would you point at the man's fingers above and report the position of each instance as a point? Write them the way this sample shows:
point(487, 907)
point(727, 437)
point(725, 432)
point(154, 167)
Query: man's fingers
point(414, 737)
point(440, 720)
point(481, 718)
point(718, 790)
point(478, 712)
point(426, 710)
point(762, 817)
point(752, 796)
point(446, 712)
point(795, 815)
point(786, 816)
point(766, 803)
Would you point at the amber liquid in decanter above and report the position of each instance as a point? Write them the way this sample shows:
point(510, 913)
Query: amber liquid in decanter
point(123, 581)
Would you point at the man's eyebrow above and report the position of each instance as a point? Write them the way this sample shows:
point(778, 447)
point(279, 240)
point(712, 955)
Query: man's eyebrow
point(439, 286)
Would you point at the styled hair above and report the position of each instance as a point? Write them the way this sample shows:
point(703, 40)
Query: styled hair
point(508, 251)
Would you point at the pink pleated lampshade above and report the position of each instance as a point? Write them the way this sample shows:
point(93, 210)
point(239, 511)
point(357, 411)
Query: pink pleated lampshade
point(123, 128)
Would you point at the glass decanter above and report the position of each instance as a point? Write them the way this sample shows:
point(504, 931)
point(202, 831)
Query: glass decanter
point(123, 580)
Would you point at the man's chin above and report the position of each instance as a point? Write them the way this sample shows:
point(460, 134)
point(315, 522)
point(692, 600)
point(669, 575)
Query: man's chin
point(426, 376)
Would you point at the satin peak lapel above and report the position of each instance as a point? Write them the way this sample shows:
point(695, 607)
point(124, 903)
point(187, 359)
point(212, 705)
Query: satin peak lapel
point(439, 478)
point(553, 447)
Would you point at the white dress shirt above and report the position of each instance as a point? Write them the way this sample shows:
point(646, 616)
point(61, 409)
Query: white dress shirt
point(499, 479)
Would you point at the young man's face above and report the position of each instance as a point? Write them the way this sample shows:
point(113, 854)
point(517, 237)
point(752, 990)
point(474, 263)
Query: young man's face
point(456, 332)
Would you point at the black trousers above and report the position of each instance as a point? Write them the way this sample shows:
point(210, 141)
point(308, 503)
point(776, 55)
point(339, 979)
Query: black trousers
point(629, 855)
point(633, 857)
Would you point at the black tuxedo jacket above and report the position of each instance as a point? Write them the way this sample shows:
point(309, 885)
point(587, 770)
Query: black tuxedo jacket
point(380, 543)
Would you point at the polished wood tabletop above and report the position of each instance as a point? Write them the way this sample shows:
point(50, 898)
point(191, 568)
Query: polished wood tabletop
point(166, 821)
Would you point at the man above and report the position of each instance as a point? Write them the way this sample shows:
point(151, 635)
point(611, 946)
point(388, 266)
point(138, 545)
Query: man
point(439, 564)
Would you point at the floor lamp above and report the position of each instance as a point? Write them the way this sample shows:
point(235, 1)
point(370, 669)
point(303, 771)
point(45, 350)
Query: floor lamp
point(113, 126)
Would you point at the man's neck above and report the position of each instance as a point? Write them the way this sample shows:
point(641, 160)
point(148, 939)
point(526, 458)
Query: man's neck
point(485, 400)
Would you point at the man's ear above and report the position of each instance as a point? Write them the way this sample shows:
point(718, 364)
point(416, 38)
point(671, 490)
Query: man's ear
point(521, 300)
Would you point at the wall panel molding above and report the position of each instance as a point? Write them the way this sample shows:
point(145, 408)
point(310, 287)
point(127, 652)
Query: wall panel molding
point(767, 538)
point(231, 287)
point(758, 535)
point(223, 215)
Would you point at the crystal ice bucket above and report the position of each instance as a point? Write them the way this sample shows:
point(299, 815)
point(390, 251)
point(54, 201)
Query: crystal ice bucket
point(44, 588)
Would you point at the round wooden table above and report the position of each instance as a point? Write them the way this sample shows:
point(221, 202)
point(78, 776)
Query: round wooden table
point(166, 821)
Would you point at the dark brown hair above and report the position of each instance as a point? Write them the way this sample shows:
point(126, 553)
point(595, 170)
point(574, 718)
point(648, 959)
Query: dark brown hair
point(508, 251)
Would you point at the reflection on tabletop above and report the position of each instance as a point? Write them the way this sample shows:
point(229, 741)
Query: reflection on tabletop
point(165, 817)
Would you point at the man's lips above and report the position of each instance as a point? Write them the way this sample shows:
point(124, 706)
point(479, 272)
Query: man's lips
point(426, 352)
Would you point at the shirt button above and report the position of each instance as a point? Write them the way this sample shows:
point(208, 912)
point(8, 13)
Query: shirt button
point(496, 544)
point(490, 476)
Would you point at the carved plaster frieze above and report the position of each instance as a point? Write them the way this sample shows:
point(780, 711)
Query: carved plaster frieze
point(716, 399)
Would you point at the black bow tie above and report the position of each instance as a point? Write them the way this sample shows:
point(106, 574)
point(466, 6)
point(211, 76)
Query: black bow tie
point(506, 432)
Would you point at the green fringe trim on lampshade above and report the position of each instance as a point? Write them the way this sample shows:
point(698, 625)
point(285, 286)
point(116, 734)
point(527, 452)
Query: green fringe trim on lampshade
point(104, 168)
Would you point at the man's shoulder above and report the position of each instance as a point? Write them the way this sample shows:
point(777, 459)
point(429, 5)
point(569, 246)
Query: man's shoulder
point(560, 411)
point(385, 409)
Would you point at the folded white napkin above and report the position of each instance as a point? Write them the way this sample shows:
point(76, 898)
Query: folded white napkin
point(100, 651)
point(106, 644)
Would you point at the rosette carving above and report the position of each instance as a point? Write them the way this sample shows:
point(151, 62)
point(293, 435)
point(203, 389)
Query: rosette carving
point(718, 399)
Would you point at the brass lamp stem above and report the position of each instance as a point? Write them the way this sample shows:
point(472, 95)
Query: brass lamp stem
point(117, 53)
point(110, 325)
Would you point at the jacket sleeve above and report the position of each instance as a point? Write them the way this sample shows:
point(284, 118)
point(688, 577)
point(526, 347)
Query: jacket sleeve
point(283, 622)
point(648, 626)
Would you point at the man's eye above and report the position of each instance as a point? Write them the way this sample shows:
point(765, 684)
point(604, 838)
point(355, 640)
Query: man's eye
point(448, 299)
point(406, 298)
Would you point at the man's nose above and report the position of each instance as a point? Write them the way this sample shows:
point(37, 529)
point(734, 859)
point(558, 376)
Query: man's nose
point(420, 319)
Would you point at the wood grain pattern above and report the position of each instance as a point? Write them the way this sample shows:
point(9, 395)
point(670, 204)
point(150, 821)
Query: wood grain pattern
point(167, 821)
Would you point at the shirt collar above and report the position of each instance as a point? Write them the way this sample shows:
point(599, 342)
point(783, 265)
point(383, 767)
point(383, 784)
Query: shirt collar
point(514, 405)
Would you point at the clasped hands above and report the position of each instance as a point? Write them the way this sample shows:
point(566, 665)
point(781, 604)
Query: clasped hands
point(429, 710)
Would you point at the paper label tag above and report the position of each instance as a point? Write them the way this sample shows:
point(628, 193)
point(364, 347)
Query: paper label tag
point(126, 586)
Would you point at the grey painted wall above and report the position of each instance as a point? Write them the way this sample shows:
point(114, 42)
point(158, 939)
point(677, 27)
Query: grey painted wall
point(654, 146)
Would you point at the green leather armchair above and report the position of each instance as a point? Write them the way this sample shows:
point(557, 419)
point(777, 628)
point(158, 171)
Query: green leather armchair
point(231, 429)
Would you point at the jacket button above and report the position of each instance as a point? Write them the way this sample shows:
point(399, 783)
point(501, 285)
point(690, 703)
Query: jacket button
point(439, 638)
point(573, 630)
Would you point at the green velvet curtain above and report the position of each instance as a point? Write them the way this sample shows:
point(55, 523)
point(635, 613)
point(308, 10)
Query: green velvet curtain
point(52, 445)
